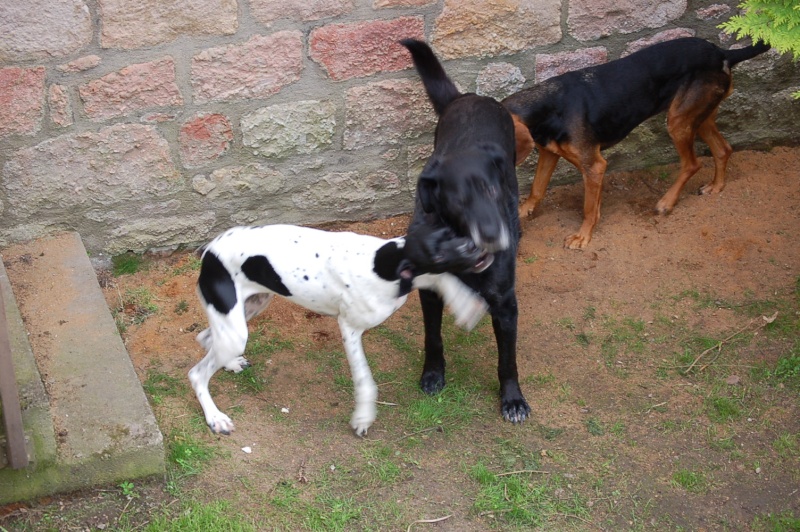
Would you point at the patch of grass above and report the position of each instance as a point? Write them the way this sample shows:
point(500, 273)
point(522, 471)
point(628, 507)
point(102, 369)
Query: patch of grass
point(524, 499)
point(566, 323)
point(691, 481)
point(210, 517)
point(595, 427)
point(181, 307)
point(248, 381)
point(722, 409)
point(192, 264)
point(379, 464)
point(787, 445)
point(127, 264)
point(626, 336)
point(258, 345)
point(323, 512)
point(135, 306)
point(782, 522)
point(454, 406)
point(788, 367)
point(159, 385)
point(188, 453)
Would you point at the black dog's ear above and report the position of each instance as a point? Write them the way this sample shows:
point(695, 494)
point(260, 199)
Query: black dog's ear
point(428, 193)
point(406, 273)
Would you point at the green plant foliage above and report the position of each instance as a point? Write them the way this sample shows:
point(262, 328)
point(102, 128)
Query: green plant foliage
point(776, 22)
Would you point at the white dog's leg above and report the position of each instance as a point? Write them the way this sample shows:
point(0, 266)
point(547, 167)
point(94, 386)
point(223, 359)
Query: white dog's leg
point(464, 303)
point(366, 391)
point(228, 339)
point(253, 306)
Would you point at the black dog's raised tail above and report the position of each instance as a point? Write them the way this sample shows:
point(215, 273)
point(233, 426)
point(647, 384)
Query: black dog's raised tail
point(441, 90)
point(748, 52)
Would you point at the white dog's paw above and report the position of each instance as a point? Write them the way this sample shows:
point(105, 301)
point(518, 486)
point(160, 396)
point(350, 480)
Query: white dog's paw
point(219, 423)
point(362, 420)
point(237, 365)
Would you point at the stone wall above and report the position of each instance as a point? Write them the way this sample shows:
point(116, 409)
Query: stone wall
point(155, 123)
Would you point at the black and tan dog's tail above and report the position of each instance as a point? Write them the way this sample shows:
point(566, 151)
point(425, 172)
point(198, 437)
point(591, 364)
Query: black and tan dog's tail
point(441, 90)
point(743, 54)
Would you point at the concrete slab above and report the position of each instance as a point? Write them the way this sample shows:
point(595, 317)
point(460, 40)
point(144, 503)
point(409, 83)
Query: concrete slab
point(102, 425)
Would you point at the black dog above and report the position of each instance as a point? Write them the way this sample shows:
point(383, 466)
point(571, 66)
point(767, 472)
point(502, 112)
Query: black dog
point(469, 185)
point(577, 114)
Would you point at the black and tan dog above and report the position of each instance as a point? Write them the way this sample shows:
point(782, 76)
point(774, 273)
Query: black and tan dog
point(469, 184)
point(578, 114)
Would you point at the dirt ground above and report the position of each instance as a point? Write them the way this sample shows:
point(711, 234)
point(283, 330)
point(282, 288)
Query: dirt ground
point(602, 336)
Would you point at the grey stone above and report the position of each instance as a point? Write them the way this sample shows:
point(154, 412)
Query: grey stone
point(290, 129)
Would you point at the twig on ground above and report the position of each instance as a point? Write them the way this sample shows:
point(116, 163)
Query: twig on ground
point(521, 471)
point(718, 346)
point(385, 403)
point(421, 521)
point(440, 428)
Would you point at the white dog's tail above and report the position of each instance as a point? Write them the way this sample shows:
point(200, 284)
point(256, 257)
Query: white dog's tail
point(466, 306)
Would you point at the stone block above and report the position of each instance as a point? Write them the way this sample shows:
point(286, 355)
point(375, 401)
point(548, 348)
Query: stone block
point(289, 129)
point(364, 48)
point(589, 20)
point(268, 11)
point(21, 100)
point(386, 112)
point(204, 138)
point(134, 88)
point(499, 80)
point(667, 35)
point(549, 65)
point(379, 4)
point(143, 23)
point(256, 68)
point(111, 167)
point(60, 106)
point(42, 29)
point(487, 28)
point(79, 65)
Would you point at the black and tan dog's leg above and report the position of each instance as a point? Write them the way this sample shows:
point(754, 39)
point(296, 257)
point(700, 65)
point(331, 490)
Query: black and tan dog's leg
point(544, 171)
point(683, 136)
point(593, 167)
point(720, 150)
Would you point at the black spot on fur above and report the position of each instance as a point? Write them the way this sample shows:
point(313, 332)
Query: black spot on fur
point(215, 284)
point(387, 258)
point(259, 270)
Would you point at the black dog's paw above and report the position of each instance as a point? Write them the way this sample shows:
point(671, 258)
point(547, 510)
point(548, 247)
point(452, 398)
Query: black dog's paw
point(432, 382)
point(515, 410)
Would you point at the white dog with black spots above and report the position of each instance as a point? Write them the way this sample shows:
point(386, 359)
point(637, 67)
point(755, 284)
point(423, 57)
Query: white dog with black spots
point(359, 279)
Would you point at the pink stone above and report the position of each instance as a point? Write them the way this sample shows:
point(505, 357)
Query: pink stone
point(268, 11)
point(256, 68)
point(204, 138)
point(134, 88)
point(21, 100)
point(355, 50)
point(549, 65)
point(80, 64)
point(60, 108)
point(377, 4)
point(667, 35)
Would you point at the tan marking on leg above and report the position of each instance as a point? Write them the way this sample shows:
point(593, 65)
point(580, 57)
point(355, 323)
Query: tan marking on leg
point(544, 171)
point(523, 138)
